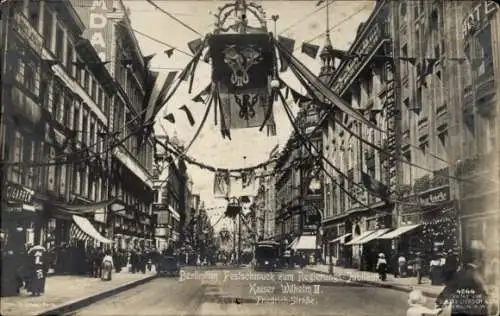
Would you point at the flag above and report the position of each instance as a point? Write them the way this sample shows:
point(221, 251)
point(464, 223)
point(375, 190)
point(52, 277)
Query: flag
point(374, 186)
point(310, 50)
point(160, 100)
point(244, 110)
point(320, 2)
point(195, 45)
point(247, 179)
point(222, 184)
point(169, 52)
point(288, 44)
point(170, 117)
point(157, 89)
point(188, 114)
point(241, 62)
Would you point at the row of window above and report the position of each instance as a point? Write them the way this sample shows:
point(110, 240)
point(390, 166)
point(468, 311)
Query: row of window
point(60, 42)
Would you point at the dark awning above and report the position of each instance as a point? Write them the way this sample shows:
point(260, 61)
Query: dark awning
point(84, 208)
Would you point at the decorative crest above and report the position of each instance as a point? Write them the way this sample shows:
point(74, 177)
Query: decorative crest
point(240, 9)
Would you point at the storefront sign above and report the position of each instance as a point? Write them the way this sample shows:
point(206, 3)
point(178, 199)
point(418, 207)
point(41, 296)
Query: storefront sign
point(435, 196)
point(479, 16)
point(98, 27)
point(23, 27)
point(371, 41)
point(18, 193)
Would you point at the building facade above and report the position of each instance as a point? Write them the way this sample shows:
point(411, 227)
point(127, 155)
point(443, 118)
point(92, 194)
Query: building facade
point(351, 212)
point(59, 159)
point(172, 204)
point(109, 30)
point(439, 148)
point(476, 37)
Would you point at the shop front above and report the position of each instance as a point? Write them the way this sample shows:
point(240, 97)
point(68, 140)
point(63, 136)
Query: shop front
point(428, 225)
point(22, 218)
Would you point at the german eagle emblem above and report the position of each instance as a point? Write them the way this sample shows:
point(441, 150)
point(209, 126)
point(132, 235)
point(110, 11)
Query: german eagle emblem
point(240, 63)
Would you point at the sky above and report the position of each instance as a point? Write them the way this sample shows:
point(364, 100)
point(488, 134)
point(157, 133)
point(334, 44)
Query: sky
point(300, 20)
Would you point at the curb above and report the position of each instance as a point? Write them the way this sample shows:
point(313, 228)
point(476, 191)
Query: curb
point(401, 288)
point(79, 303)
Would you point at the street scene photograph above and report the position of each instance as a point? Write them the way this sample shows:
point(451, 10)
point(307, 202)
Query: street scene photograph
point(250, 157)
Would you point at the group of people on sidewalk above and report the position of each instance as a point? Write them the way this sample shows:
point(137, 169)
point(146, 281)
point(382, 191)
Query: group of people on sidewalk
point(29, 268)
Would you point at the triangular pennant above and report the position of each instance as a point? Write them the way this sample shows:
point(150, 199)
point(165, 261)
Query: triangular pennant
point(288, 44)
point(169, 52)
point(188, 114)
point(203, 93)
point(170, 117)
point(148, 58)
point(310, 50)
point(195, 45)
point(295, 96)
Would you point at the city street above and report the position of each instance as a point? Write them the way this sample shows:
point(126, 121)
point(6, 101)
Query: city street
point(170, 296)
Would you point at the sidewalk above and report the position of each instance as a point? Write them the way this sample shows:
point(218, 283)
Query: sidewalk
point(62, 290)
point(371, 278)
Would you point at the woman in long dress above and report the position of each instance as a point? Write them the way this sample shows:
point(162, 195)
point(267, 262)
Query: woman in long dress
point(37, 282)
point(107, 266)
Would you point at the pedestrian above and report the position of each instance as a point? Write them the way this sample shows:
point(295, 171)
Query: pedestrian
point(402, 265)
point(107, 266)
point(38, 268)
point(450, 266)
point(417, 267)
point(381, 267)
point(416, 302)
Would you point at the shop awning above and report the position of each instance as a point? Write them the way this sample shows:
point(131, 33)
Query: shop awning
point(357, 239)
point(305, 243)
point(398, 232)
point(341, 238)
point(85, 208)
point(373, 236)
point(85, 226)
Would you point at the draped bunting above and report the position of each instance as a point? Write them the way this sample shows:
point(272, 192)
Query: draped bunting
point(222, 184)
point(319, 87)
point(157, 89)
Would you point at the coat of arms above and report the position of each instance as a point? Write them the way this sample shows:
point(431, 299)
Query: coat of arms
point(240, 63)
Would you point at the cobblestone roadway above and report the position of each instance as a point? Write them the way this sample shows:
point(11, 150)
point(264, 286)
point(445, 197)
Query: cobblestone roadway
point(167, 296)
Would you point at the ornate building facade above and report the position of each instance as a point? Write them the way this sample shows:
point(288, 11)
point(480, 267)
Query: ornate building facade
point(351, 213)
point(109, 30)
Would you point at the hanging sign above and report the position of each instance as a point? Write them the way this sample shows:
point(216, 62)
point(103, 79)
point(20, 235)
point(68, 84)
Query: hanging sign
point(368, 46)
point(438, 195)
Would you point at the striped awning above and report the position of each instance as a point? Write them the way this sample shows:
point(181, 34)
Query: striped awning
point(82, 229)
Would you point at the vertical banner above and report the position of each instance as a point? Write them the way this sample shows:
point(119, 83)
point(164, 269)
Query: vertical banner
point(94, 14)
point(242, 65)
point(51, 173)
point(222, 184)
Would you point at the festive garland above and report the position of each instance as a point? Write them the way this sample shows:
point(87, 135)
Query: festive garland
point(176, 150)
